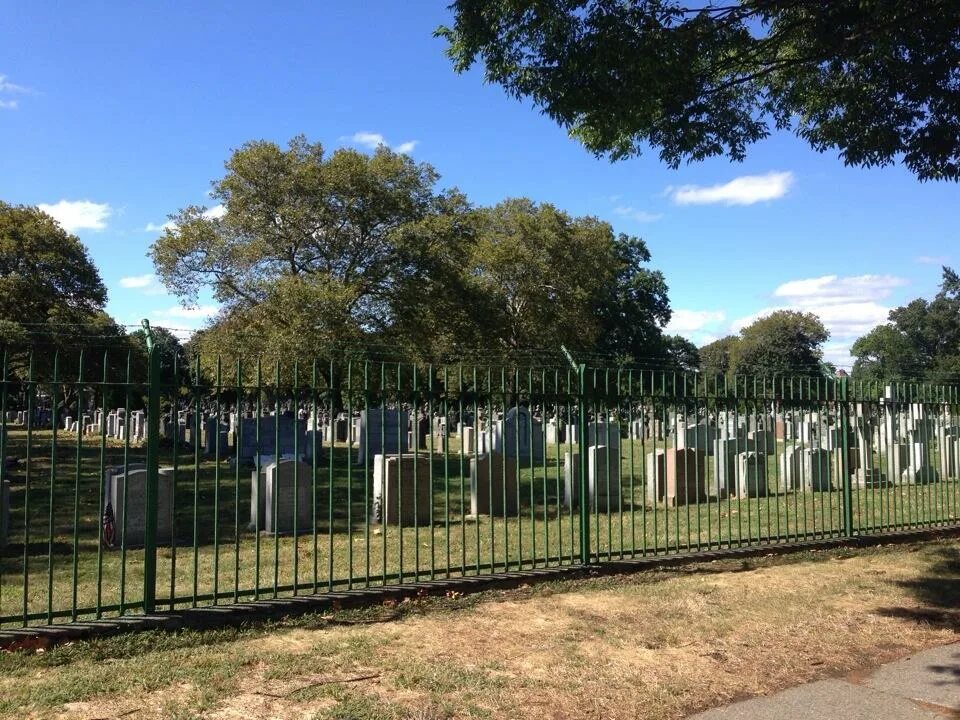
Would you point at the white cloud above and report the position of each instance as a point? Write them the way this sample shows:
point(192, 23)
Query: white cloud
point(147, 284)
point(79, 214)
point(641, 216)
point(687, 321)
point(931, 259)
point(183, 321)
point(838, 354)
point(407, 147)
point(214, 213)
point(153, 227)
point(745, 190)
point(9, 88)
point(194, 312)
point(833, 290)
point(373, 140)
point(137, 281)
point(848, 306)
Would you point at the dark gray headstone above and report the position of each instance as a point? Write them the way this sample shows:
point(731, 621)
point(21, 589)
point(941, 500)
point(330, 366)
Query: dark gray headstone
point(215, 433)
point(292, 436)
point(518, 435)
point(383, 432)
point(133, 485)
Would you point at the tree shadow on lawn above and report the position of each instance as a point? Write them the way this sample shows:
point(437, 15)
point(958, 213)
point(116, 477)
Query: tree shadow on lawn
point(938, 595)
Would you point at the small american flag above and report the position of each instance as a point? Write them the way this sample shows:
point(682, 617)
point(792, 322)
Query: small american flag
point(108, 526)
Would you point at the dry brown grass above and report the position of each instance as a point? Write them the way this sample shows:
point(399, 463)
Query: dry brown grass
point(660, 644)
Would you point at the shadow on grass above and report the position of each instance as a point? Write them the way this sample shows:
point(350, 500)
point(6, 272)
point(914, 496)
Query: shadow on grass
point(937, 595)
point(42, 548)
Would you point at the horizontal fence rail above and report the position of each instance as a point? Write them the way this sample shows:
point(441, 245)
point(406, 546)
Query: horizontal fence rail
point(126, 489)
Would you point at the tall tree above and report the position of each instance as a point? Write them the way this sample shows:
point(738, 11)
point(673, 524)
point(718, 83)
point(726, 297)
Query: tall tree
point(885, 353)
point(921, 341)
point(634, 307)
point(875, 80)
point(785, 342)
point(715, 356)
point(681, 353)
point(539, 278)
point(312, 250)
point(52, 300)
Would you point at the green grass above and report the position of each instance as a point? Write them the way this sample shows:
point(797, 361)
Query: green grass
point(348, 550)
point(658, 644)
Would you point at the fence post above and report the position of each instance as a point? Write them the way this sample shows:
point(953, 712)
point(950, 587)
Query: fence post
point(843, 404)
point(153, 474)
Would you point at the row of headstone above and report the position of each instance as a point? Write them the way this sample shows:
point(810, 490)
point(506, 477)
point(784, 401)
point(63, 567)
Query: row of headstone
point(282, 492)
point(42, 418)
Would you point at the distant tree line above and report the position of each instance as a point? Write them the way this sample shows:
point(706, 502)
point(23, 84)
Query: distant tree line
point(321, 257)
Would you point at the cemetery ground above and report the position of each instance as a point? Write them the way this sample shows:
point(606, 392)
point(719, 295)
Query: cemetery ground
point(660, 643)
point(216, 554)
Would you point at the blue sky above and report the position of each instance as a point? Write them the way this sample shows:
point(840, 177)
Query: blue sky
point(116, 114)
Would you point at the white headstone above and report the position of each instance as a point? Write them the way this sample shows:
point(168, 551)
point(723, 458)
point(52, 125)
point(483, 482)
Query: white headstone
point(468, 443)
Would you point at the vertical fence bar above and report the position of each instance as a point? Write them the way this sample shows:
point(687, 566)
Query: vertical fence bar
point(582, 480)
point(76, 494)
point(842, 404)
point(153, 475)
point(4, 521)
point(54, 416)
point(296, 478)
point(175, 402)
point(236, 481)
point(31, 391)
point(103, 500)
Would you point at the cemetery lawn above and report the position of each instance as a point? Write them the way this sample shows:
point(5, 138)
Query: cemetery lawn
point(63, 572)
point(657, 644)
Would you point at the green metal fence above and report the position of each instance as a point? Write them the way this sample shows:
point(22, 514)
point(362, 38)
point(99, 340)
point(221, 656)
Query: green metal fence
point(177, 487)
